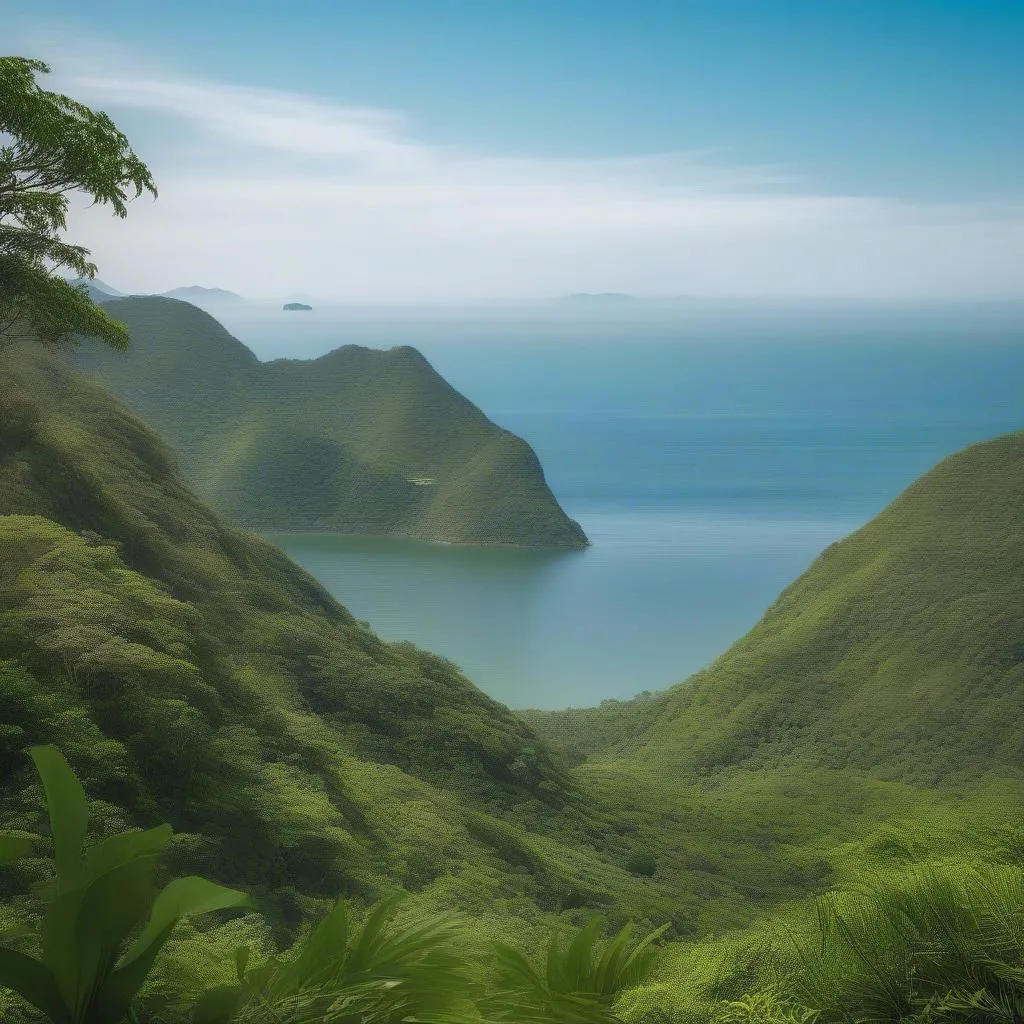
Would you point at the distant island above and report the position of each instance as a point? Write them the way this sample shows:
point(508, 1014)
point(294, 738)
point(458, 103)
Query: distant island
point(296, 305)
point(197, 294)
point(621, 299)
point(598, 297)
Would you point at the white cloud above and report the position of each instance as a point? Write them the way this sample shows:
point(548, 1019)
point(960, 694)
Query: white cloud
point(266, 192)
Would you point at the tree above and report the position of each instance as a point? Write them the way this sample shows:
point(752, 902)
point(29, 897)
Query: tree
point(56, 146)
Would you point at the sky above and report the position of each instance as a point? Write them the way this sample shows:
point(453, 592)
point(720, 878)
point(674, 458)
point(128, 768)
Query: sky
point(404, 151)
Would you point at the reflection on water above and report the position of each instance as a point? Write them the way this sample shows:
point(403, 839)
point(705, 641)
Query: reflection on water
point(657, 597)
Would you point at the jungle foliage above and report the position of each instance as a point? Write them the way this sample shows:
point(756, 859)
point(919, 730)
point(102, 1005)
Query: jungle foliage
point(191, 674)
point(825, 826)
point(104, 896)
point(90, 971)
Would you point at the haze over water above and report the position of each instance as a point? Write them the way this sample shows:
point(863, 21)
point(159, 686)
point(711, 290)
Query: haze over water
point(710, 454)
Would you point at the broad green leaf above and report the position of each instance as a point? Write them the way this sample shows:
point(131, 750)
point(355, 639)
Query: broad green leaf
point(114, 905)
point(181, 898)
point(115, 996)
point(14, 845)
point(34, 982)
point(185, 897)
point(118, 849)
point(69, 813)
point(60, 950)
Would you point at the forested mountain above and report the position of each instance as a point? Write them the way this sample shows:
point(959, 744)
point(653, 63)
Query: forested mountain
point(873, 716)
point(359, 440)
point(191, 673)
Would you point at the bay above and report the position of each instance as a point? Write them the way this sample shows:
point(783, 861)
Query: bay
point(709, 460)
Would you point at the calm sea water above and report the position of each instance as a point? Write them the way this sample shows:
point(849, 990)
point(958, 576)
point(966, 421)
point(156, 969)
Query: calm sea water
point(709, 457)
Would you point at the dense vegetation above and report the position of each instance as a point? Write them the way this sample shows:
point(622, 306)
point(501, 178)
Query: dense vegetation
point(359, 440)
point(190, 673)
point(826, 826)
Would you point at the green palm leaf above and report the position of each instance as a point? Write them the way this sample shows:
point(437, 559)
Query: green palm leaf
point(578, 985)
point(376, 973)
point(69, 813)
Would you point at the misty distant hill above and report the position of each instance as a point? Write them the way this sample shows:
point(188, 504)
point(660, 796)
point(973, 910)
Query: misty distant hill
point(598, 298)
point(197, 294)
point(99, 290)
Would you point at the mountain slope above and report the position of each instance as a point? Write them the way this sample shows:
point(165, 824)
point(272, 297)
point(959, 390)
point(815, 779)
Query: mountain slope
point(191, 673)
point(359, 441)
point(900, 652)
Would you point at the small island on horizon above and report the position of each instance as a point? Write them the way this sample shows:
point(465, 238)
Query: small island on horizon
point(598, 297)
point(296, 305)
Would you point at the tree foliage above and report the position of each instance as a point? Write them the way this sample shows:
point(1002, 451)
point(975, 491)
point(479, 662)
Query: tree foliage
point(56, 146)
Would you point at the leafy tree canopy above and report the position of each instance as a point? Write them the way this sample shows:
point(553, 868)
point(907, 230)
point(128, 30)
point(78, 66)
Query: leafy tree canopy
point(53, 146)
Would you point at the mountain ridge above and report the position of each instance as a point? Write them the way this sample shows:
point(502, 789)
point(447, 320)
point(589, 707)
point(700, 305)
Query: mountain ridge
point(198, 294)
point(334, 444)
point(192, 672)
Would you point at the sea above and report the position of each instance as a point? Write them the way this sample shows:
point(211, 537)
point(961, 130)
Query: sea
point(709, 450)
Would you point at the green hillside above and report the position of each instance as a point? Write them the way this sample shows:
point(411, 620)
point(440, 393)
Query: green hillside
point(867, 732)
point(192, 673)
point(358, 441)
point(900, 652)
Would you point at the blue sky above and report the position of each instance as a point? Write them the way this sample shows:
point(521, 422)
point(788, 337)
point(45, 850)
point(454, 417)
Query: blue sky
point(866, 149)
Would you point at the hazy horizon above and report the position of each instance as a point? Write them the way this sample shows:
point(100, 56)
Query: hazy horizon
point(410, 153)
point(631, 303)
